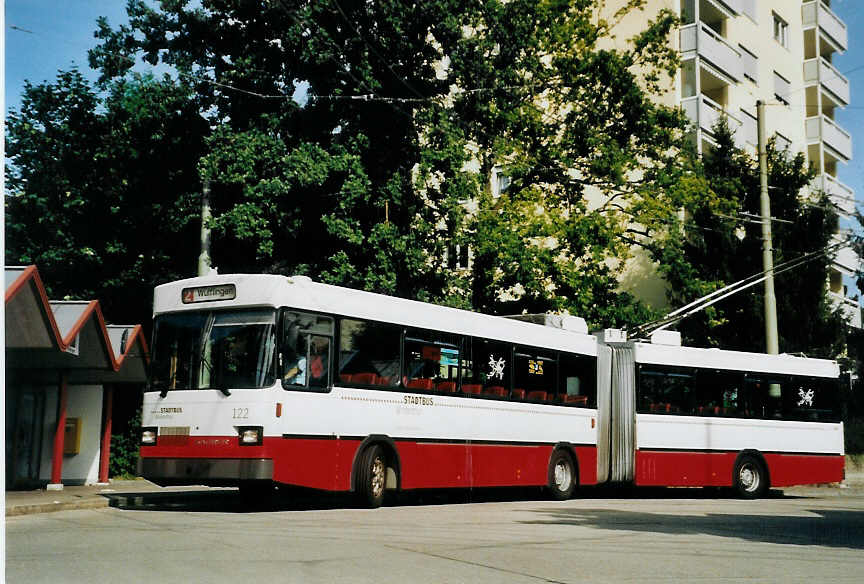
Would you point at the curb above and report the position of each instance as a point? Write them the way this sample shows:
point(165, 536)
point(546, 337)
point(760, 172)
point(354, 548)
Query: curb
point(52, 507)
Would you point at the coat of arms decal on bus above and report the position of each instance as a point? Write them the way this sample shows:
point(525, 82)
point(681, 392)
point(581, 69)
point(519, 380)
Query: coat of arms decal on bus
point(496, 368)
point(806, 397)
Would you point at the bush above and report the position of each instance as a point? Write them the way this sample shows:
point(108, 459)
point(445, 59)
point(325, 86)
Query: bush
point(123, 463)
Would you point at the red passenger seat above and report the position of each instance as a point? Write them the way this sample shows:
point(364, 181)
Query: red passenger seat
point(420, 383)
point(345, 377)
point(496, 390)
point(518, 394)
point(576, 399)
point(447, 386)
point(472, 388)
point(538, 395)
point(365, 378)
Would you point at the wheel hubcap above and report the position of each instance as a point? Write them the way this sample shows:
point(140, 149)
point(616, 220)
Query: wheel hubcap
point(749, 478)
point(562, 476)
point(377, 477)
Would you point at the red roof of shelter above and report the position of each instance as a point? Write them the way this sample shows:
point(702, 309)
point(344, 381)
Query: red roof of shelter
point(68, 335)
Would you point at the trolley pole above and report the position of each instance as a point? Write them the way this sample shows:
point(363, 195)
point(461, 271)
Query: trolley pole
point(772, 345)
point(204, 258)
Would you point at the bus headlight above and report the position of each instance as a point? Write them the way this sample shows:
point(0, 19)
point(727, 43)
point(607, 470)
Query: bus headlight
point(148, 436)
point(251, 435)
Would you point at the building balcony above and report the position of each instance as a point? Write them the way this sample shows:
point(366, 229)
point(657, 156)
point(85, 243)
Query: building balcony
point(846, 261)
point(840, 195)
point(705, 113)
point(731, 8)
point(825, 130)
point(820, 72)
point(850, 309)
point(816, 15)
point(699, 39)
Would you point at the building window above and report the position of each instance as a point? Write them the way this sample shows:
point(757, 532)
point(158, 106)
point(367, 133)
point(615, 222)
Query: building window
point(781, 31)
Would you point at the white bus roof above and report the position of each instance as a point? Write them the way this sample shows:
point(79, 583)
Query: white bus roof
point(733, 360)
point(303, 294)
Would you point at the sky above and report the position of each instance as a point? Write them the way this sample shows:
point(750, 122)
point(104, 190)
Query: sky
point(57, 34)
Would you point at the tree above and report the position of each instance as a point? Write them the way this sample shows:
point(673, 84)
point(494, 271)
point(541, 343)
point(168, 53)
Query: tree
point(400, 112)
point(722, 244)
point(547, 97)
point(102, 189)
point(322, 185)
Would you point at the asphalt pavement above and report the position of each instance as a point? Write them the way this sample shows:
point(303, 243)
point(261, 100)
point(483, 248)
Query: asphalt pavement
point(128, 493)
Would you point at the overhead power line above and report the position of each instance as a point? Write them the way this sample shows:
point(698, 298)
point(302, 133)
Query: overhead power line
point(704, 302)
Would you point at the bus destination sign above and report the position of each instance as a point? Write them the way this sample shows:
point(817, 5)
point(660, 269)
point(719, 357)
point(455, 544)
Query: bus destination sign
point(209, 293)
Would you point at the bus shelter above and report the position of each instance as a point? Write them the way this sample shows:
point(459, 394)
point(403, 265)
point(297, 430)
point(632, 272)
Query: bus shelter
point(64, 365)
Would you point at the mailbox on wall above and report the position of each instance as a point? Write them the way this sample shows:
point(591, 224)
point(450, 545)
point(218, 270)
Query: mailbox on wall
point(72, 436)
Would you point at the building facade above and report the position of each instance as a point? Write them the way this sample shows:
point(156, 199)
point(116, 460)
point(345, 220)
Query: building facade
point(65, 370)
point(735, 53)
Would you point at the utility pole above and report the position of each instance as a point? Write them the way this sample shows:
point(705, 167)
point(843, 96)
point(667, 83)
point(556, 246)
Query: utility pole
point(772, 345)
point(204, 258)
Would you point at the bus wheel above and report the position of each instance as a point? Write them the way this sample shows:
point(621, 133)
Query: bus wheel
point(371, 477)
point(750, 479)
point(562, 476)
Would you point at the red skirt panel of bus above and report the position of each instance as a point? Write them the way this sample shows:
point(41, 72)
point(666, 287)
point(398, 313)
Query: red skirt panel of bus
point(326, 463)
point(714, 469)
point(803, 469)
point(468, 464)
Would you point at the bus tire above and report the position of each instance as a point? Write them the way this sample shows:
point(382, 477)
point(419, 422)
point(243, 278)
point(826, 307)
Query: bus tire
point(749, 479)
point(371, 477)
point(562, 476)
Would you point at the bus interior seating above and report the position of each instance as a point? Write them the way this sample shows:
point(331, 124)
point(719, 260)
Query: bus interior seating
point(576, 399)
point(664, 408)
point(421, 383)
point(495, 390)
point(447, 386)
point(518, 394)
point(537, 395)
point(472, 388)
point(345, 377)
point(366, 378)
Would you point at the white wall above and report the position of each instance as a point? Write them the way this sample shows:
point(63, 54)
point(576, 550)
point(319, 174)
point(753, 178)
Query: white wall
point(84, 402)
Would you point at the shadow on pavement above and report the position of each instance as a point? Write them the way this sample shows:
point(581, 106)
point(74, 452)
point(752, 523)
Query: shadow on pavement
point(299, 499)
point(833, 528)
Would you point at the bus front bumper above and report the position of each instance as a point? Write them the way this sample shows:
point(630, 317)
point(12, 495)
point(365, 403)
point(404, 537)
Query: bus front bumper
point(204, 471)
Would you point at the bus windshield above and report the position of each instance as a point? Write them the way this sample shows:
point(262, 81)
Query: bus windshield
point(214, 350)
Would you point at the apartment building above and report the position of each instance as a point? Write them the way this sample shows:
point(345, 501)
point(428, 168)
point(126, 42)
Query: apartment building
point(737, 52)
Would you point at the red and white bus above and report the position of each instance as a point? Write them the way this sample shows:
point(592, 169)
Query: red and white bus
point(261, 379)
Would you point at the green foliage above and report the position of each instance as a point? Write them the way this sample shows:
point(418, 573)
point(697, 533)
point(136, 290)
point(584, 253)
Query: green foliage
point(722, 244)
point(123, 462)
point(102, 188)
point(546, 100)
point(370, 193)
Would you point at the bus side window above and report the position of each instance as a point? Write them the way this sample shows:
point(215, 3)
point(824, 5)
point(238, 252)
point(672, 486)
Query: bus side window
point(368, 353)
point(537, 372)
point(766, 393)
point(665, 390)
point(431, 360)
point(305, 350)
point(720, 393)
point(489, 366)
point(578, 383)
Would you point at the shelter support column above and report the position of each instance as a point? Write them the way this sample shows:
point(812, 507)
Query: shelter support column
point(56, 483)
point(107, 417)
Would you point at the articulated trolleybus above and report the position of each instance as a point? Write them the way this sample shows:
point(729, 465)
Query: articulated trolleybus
point(262, 379)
